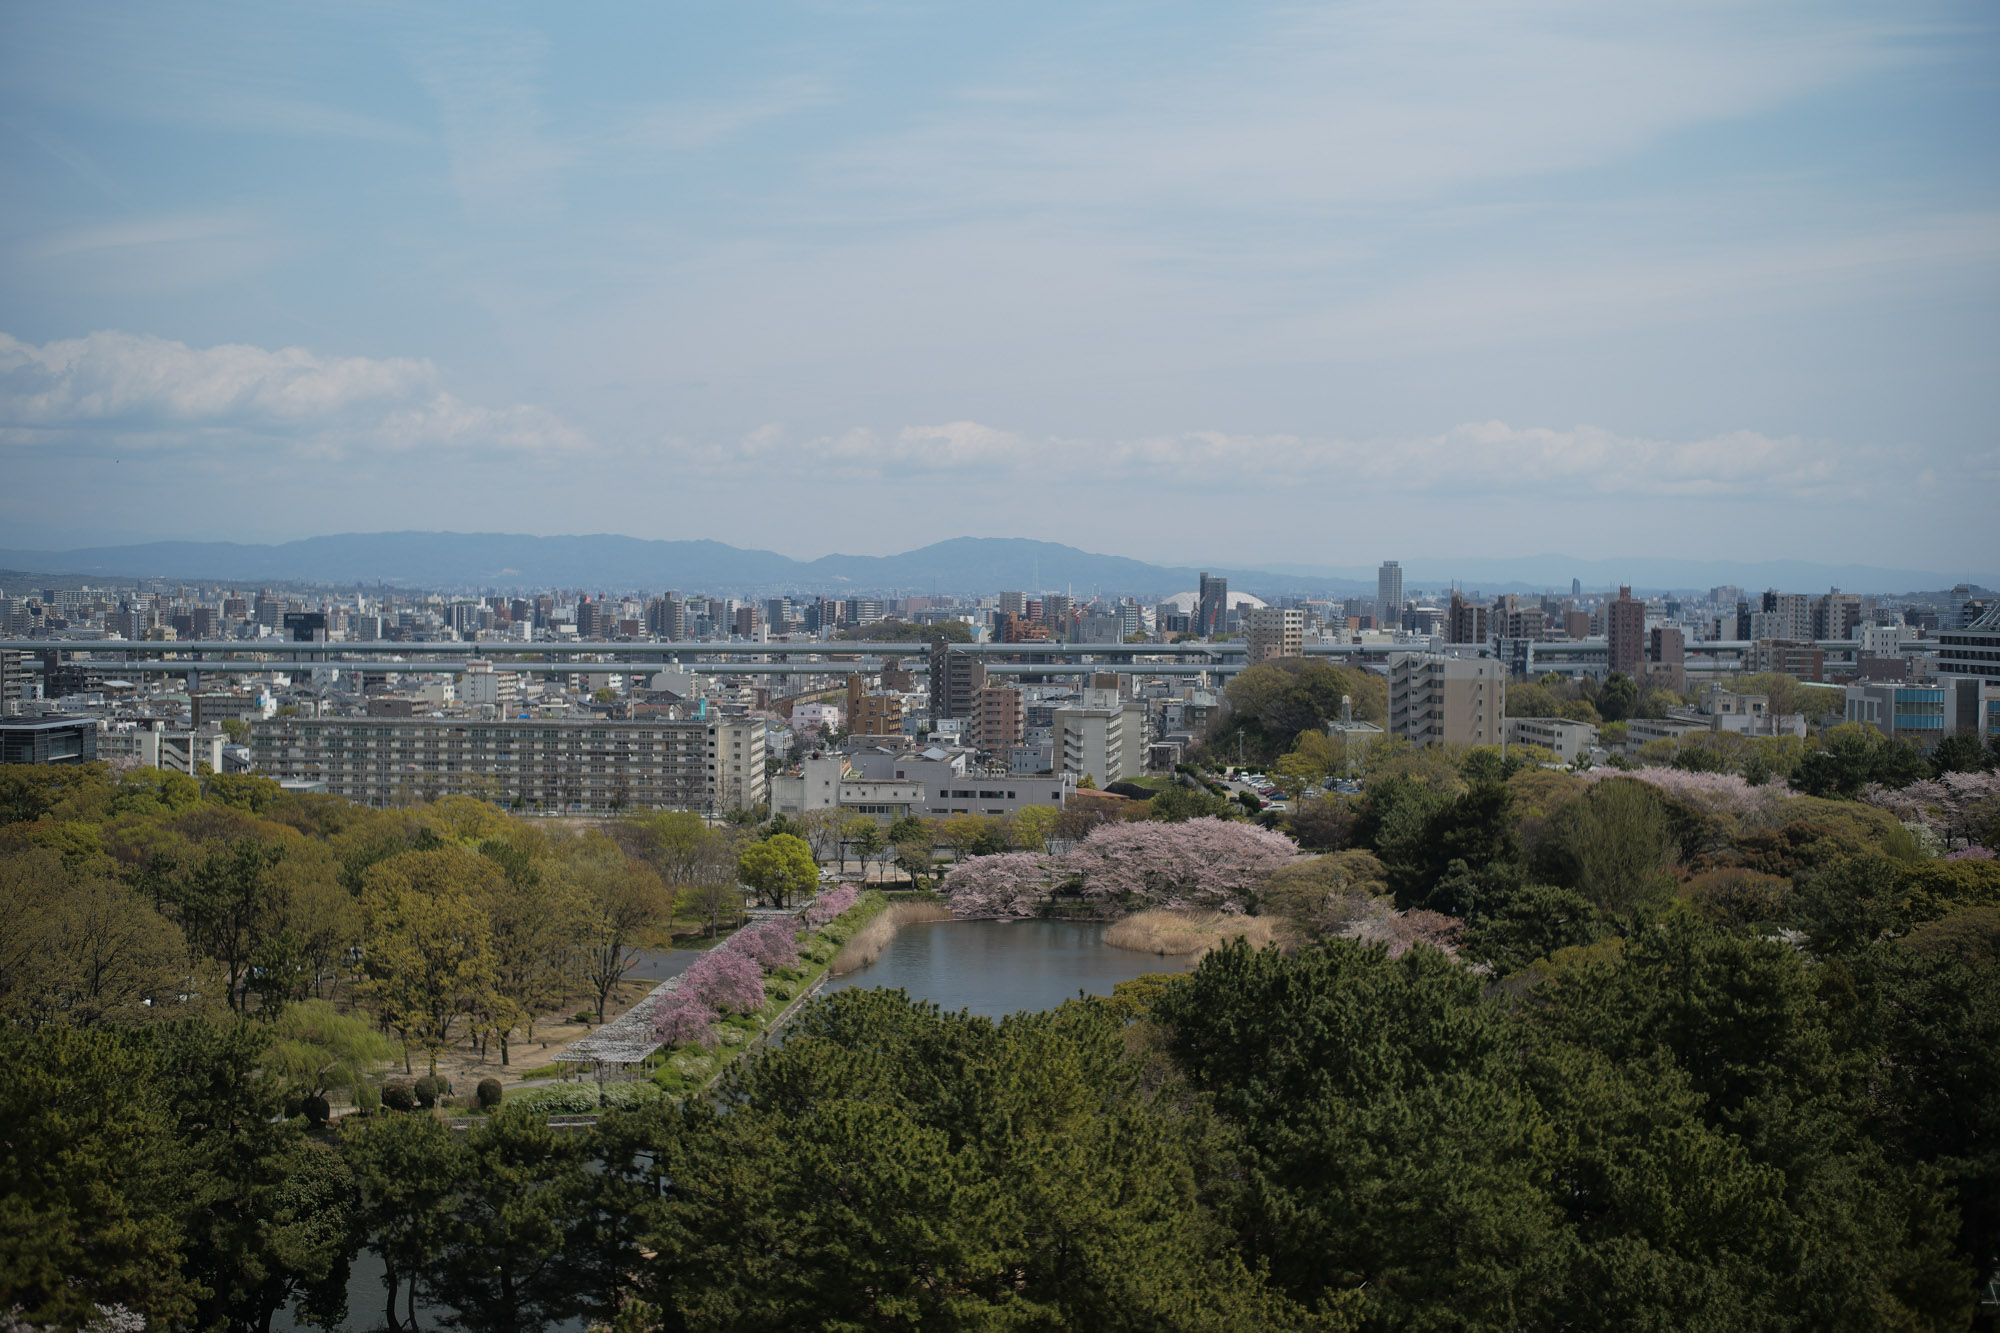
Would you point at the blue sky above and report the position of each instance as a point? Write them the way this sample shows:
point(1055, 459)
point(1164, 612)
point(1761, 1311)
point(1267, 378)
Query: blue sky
point(1318, 284)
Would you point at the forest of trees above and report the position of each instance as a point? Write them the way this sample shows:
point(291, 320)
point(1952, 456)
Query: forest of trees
point(1661, 1049)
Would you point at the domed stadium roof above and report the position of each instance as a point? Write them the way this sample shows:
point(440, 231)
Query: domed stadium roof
point(1184, 602)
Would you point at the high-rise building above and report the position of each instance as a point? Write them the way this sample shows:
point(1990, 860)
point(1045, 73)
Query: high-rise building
point(1440, 700)
point(1465, 622)
point(1666, 656)
point(1014, 604)
point(1836, 615)
point(1272, 632)
point(956, 680)
point(666, 618)
point(1625, 633)
point(1211, 608)
point(1389, 594)
point(999, 718)
point(13, 681)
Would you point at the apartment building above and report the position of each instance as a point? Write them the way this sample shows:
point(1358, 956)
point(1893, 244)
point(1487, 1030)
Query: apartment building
point(151, 743)
point(999, 718)
point(1625, 633)
point(1466, 622)
point(1104, 744)
point(13, 681)
point(1271, 632)
point(956, 680)
point(1569, 739)
point(1440, 700)
point(595, 765)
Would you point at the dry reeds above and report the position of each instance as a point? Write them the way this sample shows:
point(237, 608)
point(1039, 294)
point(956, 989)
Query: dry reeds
point(869, 941)
point(1168, 932)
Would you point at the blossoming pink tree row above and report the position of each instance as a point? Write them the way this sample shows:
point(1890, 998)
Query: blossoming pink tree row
point(1207, 864)
point(1720, 791)
point(729, 979)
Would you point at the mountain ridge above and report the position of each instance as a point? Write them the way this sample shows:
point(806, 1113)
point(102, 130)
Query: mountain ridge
point(979, 565)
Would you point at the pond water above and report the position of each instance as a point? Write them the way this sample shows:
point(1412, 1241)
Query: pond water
point(1000, 967)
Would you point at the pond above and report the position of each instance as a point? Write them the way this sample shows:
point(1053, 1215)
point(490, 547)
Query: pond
point(999, 967)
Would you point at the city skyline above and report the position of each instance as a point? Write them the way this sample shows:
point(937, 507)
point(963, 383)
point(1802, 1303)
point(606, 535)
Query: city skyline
point(1682, 279)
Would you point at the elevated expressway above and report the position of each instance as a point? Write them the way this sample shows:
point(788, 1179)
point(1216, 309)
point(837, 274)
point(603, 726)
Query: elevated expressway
point(738, 658)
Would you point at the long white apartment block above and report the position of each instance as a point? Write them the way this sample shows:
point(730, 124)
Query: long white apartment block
point(595, 766)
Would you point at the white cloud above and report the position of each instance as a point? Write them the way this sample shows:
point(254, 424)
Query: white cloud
point(1486, 459)
point(154, 393)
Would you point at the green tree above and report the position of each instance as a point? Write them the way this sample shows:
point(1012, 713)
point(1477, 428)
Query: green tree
point(1177, 804)
point(1618, 698)
point(430, 964)
point(1613, 845)
point(1387, 1148)
point(915, 851)
point(865, 836)
point(91, 1208)
point(514, 1254)
point(777, 869)
point(407, 1169)
point(227, 903)
point(1030, 826)
point(892, 1166)
point(315, 1049)
point(622, 904)
point(78, 948)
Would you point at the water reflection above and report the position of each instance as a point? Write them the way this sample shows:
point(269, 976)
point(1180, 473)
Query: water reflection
point(999, 967)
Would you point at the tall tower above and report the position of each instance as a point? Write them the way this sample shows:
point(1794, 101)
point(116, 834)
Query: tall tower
point(1625, 633)
point(1389, 595)
point(1211, 611)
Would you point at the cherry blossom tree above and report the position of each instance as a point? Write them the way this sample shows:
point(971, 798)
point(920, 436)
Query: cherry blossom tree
point(771, 944)
point(1004, 884)
point(727, 981)
point(1725, 792)
point(1400, 932)
point(1954, 806)
point(680, 1017)
point(1204, 864)
point(831, 905)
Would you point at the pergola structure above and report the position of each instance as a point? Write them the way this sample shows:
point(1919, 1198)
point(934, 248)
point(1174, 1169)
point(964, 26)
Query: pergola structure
point(616, 1052)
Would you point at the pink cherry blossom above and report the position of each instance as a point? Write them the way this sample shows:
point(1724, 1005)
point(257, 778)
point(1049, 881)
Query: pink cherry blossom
point(829, 906)
point(1206, 864)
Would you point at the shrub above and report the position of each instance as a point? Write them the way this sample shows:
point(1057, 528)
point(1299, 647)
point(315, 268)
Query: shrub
point(581, 1098)
point(427, 1090)
point(489, 1093)
point(366, 1098)
point(316, 1111)
point(399, 1097)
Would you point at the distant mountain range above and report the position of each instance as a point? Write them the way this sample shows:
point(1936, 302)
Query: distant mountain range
point(976, 565)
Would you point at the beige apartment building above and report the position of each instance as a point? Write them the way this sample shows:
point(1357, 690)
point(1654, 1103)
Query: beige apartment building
point(999, 718)
point(1435, 699)
point(591, 765)
point(1270, 632)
